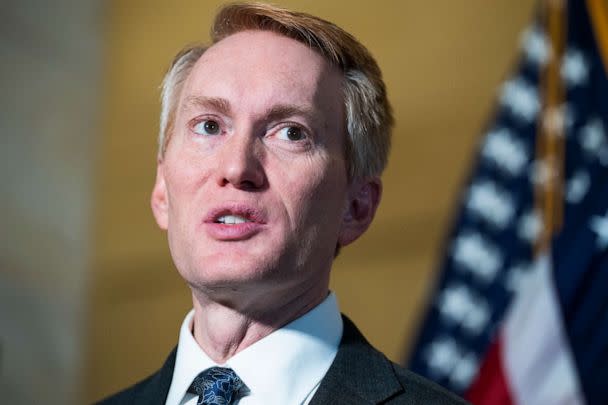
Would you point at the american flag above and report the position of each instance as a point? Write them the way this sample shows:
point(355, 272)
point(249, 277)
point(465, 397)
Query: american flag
point(519, 314)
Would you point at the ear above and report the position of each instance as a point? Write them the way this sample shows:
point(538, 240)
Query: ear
point(159, 200)
point(363, 199)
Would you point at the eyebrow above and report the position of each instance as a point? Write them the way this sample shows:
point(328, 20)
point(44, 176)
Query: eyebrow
point(281, 111)
point(221, 105)
point(276, 113)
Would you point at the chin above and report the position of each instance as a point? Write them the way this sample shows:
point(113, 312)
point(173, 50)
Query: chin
point(226, 270)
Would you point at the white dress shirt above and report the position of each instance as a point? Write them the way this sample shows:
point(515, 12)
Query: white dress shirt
point(284, 368)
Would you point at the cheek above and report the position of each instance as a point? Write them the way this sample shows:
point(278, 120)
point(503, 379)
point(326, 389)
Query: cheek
point(184, 177)
point(315, 197)
point(182, 216)
point(317, 210)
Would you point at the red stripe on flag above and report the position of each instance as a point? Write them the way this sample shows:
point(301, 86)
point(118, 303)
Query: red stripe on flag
point(490, 386)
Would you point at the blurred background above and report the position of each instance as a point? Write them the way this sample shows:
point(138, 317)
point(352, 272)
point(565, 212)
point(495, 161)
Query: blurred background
point(90, 301)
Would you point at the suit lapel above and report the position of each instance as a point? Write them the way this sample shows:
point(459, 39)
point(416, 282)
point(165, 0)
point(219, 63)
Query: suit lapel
point(359, 374)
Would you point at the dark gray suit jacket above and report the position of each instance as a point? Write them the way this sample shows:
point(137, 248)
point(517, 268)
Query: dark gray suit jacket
point(359, 375)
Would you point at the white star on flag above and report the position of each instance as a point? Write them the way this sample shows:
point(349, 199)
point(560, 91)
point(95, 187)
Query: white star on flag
point(575, 69)
point(536, 46)
point(505, 151)
point(454, 303)
point(478, 317)
point(442, 355)
point(599, 225)
point(521, 99)
point(577, 187)
point(463, 372)
point(473, 252)
point(593, 137)
point(493, 204)
point(516, 277)
point(529, 226)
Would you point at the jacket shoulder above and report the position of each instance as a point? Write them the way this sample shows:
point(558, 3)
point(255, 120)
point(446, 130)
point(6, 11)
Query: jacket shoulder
point(360, 374)
point(420, 390)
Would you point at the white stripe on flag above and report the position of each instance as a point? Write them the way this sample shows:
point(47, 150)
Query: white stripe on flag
point(536, 356)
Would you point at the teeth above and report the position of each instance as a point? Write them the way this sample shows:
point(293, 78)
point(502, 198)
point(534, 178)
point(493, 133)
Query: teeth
point(231, 219)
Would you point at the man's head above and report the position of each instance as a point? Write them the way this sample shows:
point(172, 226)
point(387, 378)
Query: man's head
point(368, 114)
point(271, 144)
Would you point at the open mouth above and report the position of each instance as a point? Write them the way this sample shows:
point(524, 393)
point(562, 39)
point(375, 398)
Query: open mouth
point(235, 222)
point(231, 220)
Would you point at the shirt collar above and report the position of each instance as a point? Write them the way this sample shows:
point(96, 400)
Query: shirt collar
point(283, 367)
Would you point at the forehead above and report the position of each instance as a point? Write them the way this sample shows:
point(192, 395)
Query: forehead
point(265, 68)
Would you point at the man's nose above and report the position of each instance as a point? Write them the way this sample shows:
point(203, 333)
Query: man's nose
point(241, 163)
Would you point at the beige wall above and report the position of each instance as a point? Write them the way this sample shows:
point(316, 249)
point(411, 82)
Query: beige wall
point(49, 99)
point(442, 63)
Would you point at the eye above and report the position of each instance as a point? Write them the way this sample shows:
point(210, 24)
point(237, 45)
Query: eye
point(207, 128)
point(291, 133)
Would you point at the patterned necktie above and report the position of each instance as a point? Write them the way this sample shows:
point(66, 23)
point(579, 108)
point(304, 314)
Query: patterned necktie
point(216, 386)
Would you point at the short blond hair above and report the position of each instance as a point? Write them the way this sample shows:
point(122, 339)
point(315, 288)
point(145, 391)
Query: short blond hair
point(369, 117)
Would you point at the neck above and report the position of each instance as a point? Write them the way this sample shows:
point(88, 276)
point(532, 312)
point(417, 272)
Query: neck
point(225, 326)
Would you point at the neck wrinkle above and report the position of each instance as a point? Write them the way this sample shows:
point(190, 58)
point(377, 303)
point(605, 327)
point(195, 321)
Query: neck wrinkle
point(222, 331)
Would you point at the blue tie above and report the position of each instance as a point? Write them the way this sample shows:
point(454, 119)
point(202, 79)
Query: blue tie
point(216, 386)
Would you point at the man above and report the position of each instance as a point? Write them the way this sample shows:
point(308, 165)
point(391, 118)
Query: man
point(272, 142)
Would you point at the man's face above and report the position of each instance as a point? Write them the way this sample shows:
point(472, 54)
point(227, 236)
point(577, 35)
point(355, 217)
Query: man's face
point(253, 187)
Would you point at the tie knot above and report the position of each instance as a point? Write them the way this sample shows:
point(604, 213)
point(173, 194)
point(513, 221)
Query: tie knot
point(216, 386)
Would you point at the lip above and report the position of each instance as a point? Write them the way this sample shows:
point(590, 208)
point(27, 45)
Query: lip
point(235, 232)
